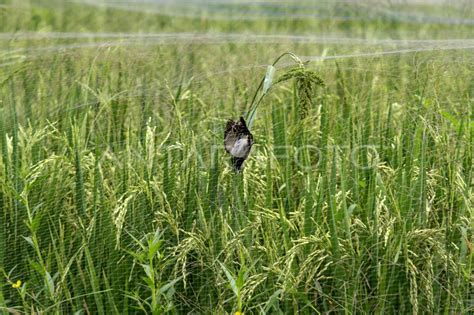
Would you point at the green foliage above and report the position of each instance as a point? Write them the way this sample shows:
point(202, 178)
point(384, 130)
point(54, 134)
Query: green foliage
point(116, 196)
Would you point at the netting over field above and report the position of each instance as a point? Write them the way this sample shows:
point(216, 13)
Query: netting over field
point(117, 195)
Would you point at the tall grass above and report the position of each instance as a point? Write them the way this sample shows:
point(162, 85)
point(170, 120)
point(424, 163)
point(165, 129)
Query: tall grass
point(116, 195)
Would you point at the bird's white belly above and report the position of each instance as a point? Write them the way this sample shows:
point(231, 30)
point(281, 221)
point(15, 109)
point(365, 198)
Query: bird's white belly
point(241, 148)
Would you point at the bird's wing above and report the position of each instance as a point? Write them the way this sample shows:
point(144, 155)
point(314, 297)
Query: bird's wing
point(229, 141)
point(230, 124)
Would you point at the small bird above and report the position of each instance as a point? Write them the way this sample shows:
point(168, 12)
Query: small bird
point(238, 141)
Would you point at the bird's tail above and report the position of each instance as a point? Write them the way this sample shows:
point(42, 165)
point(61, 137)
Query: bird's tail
point(237, 163)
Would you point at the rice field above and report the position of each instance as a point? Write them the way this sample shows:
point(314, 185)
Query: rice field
point(117, 195)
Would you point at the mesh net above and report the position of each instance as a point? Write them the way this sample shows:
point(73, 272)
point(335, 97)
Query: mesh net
point(117, 195)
